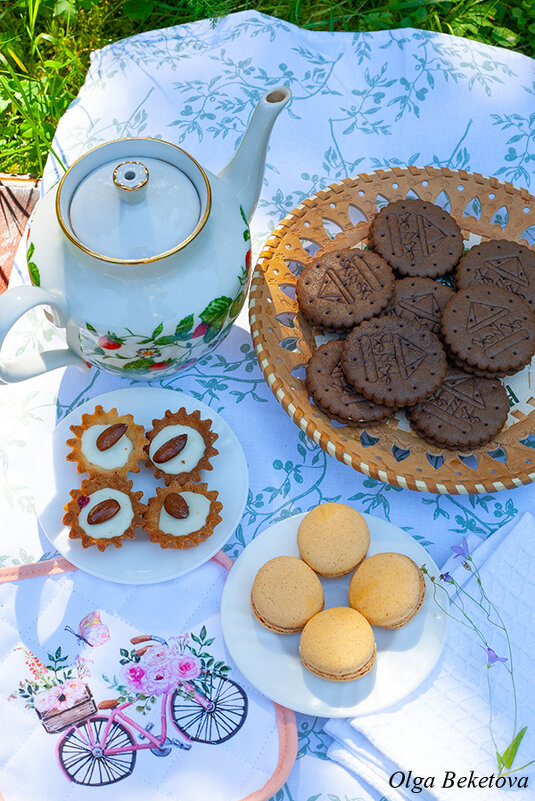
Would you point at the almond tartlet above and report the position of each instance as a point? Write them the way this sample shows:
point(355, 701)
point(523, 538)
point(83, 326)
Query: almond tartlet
point(103, 512)
point(180, 445)
point(106, 443)
point(182, 517)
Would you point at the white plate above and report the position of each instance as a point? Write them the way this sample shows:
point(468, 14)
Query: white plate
point(405, 657)
point(140, 561)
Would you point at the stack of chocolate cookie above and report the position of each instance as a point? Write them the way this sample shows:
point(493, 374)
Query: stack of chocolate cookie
point(409, 340)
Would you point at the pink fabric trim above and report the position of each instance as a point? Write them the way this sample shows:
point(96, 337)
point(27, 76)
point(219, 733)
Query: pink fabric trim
point(224, 560)
point(287, 754)
point(47, 567)
point(286, 724)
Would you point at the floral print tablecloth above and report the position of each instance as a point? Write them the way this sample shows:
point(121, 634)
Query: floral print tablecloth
point(360, 102)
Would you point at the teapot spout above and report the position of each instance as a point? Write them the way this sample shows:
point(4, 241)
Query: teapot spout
point(245, 170)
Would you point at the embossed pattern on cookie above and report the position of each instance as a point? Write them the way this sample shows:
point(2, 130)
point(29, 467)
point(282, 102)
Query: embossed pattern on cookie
point(421, 300)
point(342, 288)
point(465, 412)
point(416, 238)
point(333, 394)
point(392, 361)
point(488, 330)
point(500, 263)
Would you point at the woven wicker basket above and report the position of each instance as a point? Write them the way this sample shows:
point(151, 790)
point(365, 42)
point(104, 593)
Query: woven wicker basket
point(339, 217)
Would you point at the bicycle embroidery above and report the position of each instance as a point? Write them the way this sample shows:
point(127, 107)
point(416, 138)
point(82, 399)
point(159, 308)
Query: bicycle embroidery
point(95, 750)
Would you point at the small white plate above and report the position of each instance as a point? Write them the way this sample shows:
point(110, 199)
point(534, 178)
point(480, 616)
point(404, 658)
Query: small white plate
point(405, 657)
point(140, 561)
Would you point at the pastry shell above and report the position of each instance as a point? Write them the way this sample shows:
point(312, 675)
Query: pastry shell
point(151, 517)
point(90, 485)
point(135, 433)
point(192, 420)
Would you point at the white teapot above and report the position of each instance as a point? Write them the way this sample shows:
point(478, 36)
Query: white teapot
point(141, 254)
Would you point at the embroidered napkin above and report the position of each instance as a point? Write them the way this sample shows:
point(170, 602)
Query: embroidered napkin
point(155, 656)
point(445, 728)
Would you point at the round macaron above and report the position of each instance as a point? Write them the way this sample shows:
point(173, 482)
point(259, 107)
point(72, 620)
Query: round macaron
point(338, 644)
point(388, 589)
point(286, 593)
point(333, 539)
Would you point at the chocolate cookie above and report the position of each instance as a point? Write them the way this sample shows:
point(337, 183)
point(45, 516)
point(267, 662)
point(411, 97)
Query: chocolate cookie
point(342, 288)
point(488, 331)
point(420, 300)
point(500, 263)
point(465, 412)
point(395, 362)
point(416, 238)
point(331, 392)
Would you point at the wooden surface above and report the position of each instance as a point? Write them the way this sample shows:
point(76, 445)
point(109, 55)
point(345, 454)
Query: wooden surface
point(18, 196)
point(339, 217)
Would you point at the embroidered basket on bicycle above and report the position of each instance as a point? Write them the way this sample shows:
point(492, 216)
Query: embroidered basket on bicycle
point(56, 719)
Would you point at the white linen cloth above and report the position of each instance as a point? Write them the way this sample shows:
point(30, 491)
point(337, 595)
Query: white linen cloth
point(361, 102)
point(34, 614)
point(444, 725)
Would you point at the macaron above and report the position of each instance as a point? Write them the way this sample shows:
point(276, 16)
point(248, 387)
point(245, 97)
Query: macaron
point(333, 539)
point(338, 644)
point(286, 593)
point(388, 589)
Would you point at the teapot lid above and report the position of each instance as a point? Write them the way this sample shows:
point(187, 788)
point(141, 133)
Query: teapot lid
point(133, 201)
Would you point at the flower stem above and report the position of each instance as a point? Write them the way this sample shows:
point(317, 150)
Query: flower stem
point(493, 617)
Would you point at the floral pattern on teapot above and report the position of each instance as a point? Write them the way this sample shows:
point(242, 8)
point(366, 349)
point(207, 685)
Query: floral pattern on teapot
point(163, 351)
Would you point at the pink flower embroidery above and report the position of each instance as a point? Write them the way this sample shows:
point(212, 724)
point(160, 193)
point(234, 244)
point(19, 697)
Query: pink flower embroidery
point(160, 678)
point(63, 696)
point(157, 654)
point(74, 690)
point(160, 670)
point(45, 700)
point(133, 676)
point(188, 667)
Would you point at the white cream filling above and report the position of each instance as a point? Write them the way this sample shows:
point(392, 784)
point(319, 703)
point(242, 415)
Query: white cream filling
point(199, 509)
point(116, 456)
point(188, 457)
point(115, 526)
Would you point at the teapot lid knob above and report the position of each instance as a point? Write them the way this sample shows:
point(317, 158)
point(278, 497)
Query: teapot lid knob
point(130, 176)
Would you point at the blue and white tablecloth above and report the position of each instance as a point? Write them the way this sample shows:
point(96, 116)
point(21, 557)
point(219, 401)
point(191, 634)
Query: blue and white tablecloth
point(361, 101)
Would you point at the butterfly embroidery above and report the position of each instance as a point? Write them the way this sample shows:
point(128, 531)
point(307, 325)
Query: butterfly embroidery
point(91, 630)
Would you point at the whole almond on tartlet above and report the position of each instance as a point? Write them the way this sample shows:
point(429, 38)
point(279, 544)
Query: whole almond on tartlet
point(179, 446)
point(182, 516)
point(107, 443)
point(103, 512)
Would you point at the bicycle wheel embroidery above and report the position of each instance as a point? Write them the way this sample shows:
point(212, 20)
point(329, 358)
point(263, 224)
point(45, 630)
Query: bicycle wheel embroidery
point(100, 738)
point(97, 752)
point(213, 722)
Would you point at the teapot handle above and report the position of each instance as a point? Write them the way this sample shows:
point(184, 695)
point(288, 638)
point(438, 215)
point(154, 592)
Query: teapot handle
point(13, 304)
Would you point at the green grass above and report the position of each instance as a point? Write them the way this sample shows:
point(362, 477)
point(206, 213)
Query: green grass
point(45, 45)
